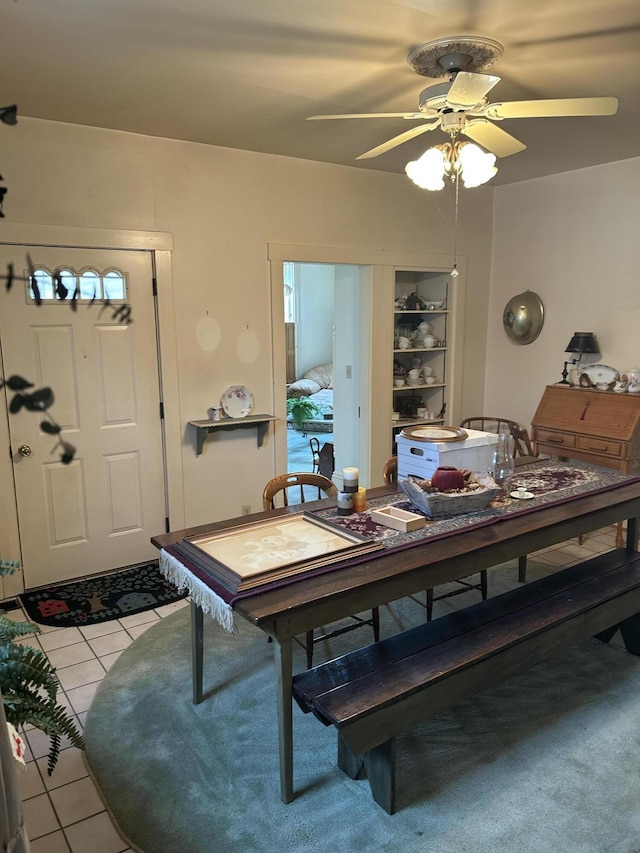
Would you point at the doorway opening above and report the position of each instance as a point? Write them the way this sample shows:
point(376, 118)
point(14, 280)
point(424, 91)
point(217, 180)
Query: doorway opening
point(322, 338)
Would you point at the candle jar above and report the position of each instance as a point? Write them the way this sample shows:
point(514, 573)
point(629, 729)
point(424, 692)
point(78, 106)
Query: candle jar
point(446, 478)
point(360, 500)
point(345, 503)
point(350, 480)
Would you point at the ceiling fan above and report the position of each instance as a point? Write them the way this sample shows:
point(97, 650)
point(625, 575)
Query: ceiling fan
point(460, 106)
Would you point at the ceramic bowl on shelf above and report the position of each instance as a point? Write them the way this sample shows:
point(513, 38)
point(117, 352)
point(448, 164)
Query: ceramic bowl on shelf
point(398, 381)
point(430, 380)
point(435, 306)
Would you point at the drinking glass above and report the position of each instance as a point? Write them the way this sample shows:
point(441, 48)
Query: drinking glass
point(503, 464)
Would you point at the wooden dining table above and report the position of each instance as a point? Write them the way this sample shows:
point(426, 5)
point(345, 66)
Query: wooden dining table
point(312, 601)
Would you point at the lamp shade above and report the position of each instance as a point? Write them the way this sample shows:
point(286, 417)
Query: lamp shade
point(583, 342)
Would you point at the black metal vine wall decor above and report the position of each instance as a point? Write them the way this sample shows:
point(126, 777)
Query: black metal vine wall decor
point(8, 115)
point(42, 399)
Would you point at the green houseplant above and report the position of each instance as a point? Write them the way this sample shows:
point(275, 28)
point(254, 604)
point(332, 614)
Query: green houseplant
point(302, 409)
point(29, 685)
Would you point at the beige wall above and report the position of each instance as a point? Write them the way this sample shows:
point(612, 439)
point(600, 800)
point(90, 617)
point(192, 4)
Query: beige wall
point(574, 239)
point(223, 208)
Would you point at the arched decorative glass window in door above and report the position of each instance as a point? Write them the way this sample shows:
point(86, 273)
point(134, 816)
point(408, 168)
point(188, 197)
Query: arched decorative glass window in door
point(84, 286)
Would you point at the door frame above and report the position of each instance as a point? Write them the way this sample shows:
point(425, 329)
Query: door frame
point(376, 344)
point(160, 245)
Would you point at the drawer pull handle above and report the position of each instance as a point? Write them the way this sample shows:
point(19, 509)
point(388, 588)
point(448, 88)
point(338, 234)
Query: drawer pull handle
point(553, 440)
point(598, 449)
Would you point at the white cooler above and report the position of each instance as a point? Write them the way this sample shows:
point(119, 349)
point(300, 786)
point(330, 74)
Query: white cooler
point(421, 458)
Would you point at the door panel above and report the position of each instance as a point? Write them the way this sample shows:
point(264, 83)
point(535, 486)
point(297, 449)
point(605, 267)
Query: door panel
point(99, 512)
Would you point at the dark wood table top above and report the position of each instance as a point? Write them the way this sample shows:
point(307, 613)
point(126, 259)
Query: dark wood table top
point(387, 576)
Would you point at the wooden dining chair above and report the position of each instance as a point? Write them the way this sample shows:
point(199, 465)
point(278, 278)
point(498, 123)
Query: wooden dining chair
point(299, 488)
point(390, 470)
point(523, 452)
point(390, 474)
point(314, 444)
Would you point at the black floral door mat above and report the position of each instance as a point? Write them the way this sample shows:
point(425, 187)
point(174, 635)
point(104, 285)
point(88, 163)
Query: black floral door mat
point(101, 598)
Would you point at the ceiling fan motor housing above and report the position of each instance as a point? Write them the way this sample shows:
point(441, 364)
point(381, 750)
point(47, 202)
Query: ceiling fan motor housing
point(434, 97)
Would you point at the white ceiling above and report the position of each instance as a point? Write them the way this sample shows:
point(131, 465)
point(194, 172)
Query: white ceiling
point(246, 73)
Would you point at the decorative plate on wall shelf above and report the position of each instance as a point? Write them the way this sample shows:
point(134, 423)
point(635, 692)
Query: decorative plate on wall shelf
point(237, 401)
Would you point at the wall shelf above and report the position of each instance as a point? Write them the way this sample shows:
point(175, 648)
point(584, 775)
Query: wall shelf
point(206, 427)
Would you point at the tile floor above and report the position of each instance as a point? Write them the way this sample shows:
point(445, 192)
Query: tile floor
point(64, 813)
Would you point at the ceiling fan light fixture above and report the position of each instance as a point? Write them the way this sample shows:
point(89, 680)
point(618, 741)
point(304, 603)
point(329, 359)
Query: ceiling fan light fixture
point(452, 160)
point(428, 171)
point(476, 166)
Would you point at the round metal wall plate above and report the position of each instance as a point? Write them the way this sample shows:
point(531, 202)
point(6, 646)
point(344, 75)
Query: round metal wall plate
point(523, 317)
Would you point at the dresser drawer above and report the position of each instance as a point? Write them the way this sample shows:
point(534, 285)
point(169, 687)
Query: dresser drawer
point(561, 440)
point(603, 446)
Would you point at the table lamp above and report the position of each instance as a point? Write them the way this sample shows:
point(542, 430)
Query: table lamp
point(580, 344)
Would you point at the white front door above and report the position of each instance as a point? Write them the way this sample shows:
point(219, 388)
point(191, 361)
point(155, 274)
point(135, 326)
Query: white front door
point(99, 512)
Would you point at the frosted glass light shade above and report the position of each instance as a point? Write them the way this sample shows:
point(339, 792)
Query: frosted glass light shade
point(429, 170)
point(452, 159)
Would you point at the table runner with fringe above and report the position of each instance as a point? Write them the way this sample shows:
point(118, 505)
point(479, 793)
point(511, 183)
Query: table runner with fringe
point(551, 483)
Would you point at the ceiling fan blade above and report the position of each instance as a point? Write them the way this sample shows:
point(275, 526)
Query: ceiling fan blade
point(468, 90)
point(370, 115)
point(398, 140)
point(556, 107)
point(493, 138)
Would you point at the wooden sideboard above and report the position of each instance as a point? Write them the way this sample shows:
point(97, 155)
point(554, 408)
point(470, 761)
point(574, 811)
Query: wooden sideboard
point(590, 425)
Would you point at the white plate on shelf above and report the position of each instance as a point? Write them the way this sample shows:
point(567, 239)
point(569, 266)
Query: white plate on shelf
point(600, 375)
point(237, 401)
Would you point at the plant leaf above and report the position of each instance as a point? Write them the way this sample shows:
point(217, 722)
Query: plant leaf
point(62, 291)
point(68, 452)
point(17, 383)
point(17, 401)
point(39, 400)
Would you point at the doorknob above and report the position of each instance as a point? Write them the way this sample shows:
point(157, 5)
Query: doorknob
point(24, 450)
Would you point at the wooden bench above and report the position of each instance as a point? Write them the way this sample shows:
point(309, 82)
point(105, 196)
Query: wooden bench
point(380, 691)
